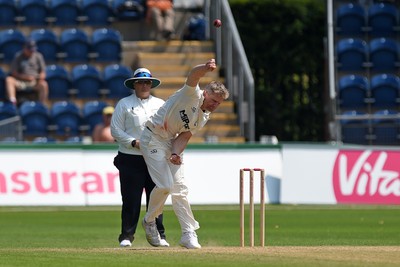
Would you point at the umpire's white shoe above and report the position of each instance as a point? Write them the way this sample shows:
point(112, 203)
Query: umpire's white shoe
point(152, 234)
point(189, 240)
point(164, 243)
point(125, 243)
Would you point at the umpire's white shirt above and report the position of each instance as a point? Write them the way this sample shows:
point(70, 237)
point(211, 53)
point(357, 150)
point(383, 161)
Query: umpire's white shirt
point(129, 117)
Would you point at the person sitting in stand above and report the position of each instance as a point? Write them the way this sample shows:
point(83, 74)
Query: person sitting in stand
point(27, 72)
point(162, 14)
point(102, 131)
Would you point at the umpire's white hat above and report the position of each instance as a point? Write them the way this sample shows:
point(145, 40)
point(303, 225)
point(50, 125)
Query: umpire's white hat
point(141, 74)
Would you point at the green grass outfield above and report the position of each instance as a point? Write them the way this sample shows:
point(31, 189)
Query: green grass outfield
point(298, 235)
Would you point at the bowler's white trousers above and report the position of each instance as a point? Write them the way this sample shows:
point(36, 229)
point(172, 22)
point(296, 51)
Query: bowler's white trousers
point(169, 180)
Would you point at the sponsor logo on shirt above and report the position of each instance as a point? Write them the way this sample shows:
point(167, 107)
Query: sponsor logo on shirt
point(185, 119)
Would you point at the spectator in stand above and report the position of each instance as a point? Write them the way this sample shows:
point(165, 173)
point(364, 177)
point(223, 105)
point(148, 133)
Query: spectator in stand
point(162, 14)
point(102, 131)
point(27, 72)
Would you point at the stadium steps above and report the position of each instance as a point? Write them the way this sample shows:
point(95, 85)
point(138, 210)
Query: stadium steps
point(171, 62)
point(173, 46)
point(171, 59)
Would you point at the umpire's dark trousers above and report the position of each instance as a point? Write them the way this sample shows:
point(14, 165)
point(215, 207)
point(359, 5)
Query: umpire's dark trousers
point(134, 177)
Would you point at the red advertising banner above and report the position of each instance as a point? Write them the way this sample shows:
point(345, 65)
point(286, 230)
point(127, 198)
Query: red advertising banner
point(367, 176)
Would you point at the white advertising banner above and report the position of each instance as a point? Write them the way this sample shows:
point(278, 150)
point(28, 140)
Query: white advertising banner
point(307, 173)
point(88, 177)
point(343, 175)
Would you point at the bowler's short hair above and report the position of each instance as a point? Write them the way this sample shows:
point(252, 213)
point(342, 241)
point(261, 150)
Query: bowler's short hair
point(218, 88)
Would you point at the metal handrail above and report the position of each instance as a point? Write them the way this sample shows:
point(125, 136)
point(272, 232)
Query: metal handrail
point(12, 127)
point(231, 57)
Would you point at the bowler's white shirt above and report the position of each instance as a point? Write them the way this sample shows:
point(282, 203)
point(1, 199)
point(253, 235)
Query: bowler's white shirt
point(180, 113)
point(129, 117)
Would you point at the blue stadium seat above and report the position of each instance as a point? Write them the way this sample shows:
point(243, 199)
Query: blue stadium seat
point(73, 140)
point(385, 131)
point(195, 28)
point(11, 42)
point(7, 110)
point(114, 76)
point(66, 117)
point(86, 79)
point(129, 9)
point(92, 113)
point(354, 128)
point(2, 84)
point(8, 12)
point(75, 44)
point(385, 90)
point(106, 43)
point(353, 91)
point(44, 140)
point(351, 54)
point(350, 19)
point(9, 140)
point(383, 18)
point(65, 12)
point(47, 43)
point(384, 54)
point(34, 12)
point(59, 81)
point(35, 118)
point(97, 12)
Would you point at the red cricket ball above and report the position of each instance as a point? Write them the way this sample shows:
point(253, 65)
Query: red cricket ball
point(217, 23)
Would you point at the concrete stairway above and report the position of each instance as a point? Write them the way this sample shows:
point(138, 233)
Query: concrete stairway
point(171, 62)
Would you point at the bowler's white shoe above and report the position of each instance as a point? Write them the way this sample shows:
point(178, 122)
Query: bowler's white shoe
point(164, 243)
point(125, 243)
point(189, 240)
point(152, 234)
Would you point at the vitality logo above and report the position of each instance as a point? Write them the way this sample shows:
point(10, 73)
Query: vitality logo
point(370, 177)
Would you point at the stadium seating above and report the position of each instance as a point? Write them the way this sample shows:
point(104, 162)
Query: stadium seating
point(385, 90)
point(353, 91)
point(354, 130)
point(129, 10)
point(92, 113)
point(106, 43)
point(385, 131)
point(11, 42)
point(351, 54)
point(114, 76)
point(8, 13)
point(86, 79)
point(34, 12)
point(7, 110)
point(73, 139)
point(196, 28)
point(35, 118)
point(65, 12)
point(97, 12)
point(382, 19)
point(44, 140)
point(384, 54)
point(66, 117)
point(2, 84)
point(350, 19)
point(47, 43)
point(75, 43)
point(59, 81)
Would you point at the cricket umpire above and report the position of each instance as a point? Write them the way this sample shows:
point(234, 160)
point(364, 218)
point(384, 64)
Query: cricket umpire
point(127, 124)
